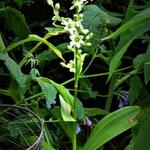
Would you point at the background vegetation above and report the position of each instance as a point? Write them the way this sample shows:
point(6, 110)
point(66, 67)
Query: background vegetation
point(115, 76)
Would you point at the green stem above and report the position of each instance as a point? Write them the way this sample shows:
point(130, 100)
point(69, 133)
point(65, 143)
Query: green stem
point(76, 78)
point(124, 78)
point(129, 11)
point(74, 143)
point(5, 92)
point(95, 75)
point(90, 62)
point(110, 93)
point(33, 97)
point(114, 84)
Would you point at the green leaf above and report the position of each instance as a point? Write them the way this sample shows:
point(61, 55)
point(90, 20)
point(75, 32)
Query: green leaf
point(95, 19)
point(13, 69)
point(48, 90)
point(46, 146)
point(2, 5)
point(112, 125)
point(16, 22)
point(2, 45)
point(90, 112)
point(134, 28)
point(141, 141)
point(67, 97)
point(80, 110)
point(137, 92)
point(34, 37)
point(86, 86)
point(65, 110)
point(147, 72)
point(48, 55)
point(141, 132)
point(140, 18)
point(66, 126)
point(135, 89)
point(19, 2)
point(130, 11)
point(63, 92)
point(13, 87)
point(139, 61)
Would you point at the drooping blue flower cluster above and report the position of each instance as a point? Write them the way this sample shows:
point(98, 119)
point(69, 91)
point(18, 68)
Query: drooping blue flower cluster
point(124, 101)
point(86, 122)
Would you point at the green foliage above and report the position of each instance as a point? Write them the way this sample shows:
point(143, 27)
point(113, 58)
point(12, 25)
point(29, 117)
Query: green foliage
point(141, 132)
point(13, 69)
point(132, 29)
point(48, 90)
point(112, 125)
point(141, 62)
point(95, 112)
point(65, 110)
point(2, 46)
point(97, 20)
point(86, 86)
point(15, 20)
point(85, 115)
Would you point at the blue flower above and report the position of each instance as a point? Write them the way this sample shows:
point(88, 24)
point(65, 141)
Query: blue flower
point(120, 105)
point(49, 105)
point(87, 122)
point(78, 129)
point(124, 101)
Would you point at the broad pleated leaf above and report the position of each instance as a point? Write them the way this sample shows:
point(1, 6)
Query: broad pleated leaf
point(112, 125)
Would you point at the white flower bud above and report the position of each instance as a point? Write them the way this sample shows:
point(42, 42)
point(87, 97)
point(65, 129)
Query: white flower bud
point(57, 6)
point(50, 2)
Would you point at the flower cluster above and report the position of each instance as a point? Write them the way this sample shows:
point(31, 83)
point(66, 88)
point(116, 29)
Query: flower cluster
point(78, 4)
point(86, 122)
point(79, 36)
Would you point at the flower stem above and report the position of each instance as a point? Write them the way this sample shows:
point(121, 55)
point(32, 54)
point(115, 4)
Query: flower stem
point(76, 77)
